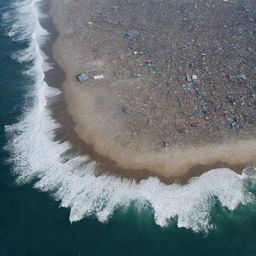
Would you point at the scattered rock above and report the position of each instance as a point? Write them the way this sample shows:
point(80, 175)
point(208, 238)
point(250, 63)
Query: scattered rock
point(194, 78)
point(188, 87)
point(189, 78)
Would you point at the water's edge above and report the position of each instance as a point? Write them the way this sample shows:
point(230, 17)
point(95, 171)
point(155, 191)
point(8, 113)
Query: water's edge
point(71, 179)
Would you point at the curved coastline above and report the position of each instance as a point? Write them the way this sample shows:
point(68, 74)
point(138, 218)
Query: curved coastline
point(43, 162)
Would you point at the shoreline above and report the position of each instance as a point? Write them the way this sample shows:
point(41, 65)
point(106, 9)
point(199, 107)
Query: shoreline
point(140, 169)
point(36, 159)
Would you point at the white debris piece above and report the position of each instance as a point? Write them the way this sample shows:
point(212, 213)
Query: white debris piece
point(188, 78)
point(194, 77)
point(98, 77)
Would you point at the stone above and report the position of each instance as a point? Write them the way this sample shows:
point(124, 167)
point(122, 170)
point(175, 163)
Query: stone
point(189, 78)
point(194, 78)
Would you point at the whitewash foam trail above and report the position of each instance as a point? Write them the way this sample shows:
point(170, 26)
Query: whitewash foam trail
point(35, 154)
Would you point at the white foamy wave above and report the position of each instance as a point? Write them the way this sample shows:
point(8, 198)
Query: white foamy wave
point(25, 55)
point(35, 154)
point(22, 19)
point(22, 25)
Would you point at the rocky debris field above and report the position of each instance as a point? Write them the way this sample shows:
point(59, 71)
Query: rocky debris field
point(192, 62)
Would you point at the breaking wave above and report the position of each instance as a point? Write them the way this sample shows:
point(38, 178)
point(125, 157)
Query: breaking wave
point(37, 156)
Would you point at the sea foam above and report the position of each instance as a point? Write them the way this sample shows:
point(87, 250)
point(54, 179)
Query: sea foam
point(37, 156)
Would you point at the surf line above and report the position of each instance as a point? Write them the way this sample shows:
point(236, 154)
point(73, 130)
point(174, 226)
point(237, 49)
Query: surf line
point(36, 154)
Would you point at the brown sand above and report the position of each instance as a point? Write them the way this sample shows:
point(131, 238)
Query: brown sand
point(97, 121)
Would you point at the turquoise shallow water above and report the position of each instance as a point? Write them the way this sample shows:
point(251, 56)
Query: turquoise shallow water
point(32, 223)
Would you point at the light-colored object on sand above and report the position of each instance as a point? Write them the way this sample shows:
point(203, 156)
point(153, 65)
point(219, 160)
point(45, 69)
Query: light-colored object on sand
point(98, 77)
point(82, 77)
point(188, 78)
point(194, 77)
point(240, 76)
point(191, 78)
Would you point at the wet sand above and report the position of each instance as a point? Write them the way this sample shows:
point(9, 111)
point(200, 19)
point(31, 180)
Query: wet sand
point(94, 124)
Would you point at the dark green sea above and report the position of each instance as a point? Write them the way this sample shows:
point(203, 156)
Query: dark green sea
point(54, 205)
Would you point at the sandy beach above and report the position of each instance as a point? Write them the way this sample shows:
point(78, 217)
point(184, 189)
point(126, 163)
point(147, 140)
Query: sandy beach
point(175, 113)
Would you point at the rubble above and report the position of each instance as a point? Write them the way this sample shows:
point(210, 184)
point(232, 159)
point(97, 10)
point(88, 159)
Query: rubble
point(189, 78)
point(94, 75)
point(194, 59)
point(194, 78)
point(240, 76)
point(82, 77)
point(98, 77)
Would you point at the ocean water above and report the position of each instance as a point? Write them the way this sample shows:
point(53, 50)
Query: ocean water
point(51, 205)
